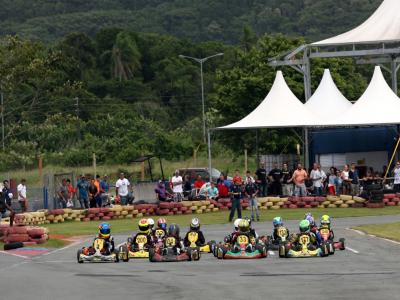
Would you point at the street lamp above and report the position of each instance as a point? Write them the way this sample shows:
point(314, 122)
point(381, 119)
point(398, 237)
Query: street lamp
point(201, 61)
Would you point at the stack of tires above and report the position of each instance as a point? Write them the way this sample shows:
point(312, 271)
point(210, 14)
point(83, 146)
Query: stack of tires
point(25, 234)
point(224, 203)
point(391, 199)
point(304, 202)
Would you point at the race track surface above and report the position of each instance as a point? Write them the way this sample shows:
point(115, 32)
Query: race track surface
point(370, 270)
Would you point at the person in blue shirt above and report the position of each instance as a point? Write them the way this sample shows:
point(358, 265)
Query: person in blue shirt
point(105, 189)
point(83, 194)
point(212, 191)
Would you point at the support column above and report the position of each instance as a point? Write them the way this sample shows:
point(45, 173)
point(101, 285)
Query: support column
point(307, 94)
point(393, 67)
point(209, 154)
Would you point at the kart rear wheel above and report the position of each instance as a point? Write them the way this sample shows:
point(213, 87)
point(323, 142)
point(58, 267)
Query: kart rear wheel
point(124, 253)
point(325, 250)
point(282, 251)
point(220, 252)
point(342, 241)
point(78, 256)
point(331, 249)
point(151, 254)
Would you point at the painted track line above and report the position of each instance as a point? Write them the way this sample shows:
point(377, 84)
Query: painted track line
point(66, 247)
point(14, 254)
point(352, 250)
point(357, 231)
point(374, 236)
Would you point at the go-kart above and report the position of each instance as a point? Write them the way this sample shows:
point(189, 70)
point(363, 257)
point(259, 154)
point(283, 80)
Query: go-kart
point(169, 252)
point(273, 244)
point(134, 249)
point(193, 237)
point(331, 245)
point(97, 253)
point(303, 248)
point(244, 248)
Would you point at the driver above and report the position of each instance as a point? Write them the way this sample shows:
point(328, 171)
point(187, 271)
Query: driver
point(325, 222)
point(228, 239)
point(244, 229)
point(313, 226)
point(195, 227)
point(304, 228)
point(144, 230)
point(173, 231)
point(161, 225)
point(252, 230)
point(278, 222)
point(105, 234)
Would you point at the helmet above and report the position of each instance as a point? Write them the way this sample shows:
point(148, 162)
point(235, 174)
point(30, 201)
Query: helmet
point(10, 195)
point(104, 230)
point(304, 226)
point(244, 225)
point(143, 225)
point(248, 220)
point(195, 224)
point(162, 223)
point(310, 218)
point(173, 230)
point(277, 221)
point(236, 224)
point(325, 220)
point(151, 222)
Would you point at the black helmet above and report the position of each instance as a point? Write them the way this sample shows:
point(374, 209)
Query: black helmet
point(173, 230)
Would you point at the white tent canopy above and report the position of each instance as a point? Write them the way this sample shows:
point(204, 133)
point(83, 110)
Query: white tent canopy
point(382, 26)
point(379, 105)
point(280, 108)
point(328, 102)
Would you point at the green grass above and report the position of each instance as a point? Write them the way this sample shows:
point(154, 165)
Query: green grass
point(125, 225)
point(390, 231)
point(52, 243)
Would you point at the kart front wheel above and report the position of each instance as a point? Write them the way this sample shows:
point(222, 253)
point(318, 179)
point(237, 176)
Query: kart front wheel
point(282, 251)
point(124, 253)
point(342, 242)
point(80, 260)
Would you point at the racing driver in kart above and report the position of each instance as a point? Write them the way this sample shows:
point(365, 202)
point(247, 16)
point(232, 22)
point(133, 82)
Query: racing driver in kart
point(195, 226)
point(144, 230)
point(228, 239)
point(325, 222)
point(313, 227)
point(304, 227)
point(278, 222)
point(105, 234)
point(173, 231)
point(244, 229)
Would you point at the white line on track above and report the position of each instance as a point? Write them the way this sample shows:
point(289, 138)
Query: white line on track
point(352, 250)
point(14, 254)
point(358, 231)
point(66, 247)
point(373, 236)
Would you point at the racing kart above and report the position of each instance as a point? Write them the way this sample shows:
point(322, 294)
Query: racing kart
point(303, 248)
point(331, 245)
point(193, 237)
point(244, 248)
point(273, 244)
point(134, 249)
point(169, 252)
point(98, 252)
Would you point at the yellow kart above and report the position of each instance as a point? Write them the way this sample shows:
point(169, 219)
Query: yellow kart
point(126, 251)
point(303, 248)
point(193, 237)
point(97, 253)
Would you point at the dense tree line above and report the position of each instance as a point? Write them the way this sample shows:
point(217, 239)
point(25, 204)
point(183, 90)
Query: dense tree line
point(197, 20)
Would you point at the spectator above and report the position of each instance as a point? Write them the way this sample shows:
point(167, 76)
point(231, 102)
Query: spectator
point(122, 187)
point(5, 208)
point(339, 182)
point(63, 194)
point(275, 176)
point(396, 174)
point(212, 192)
point(332, 181)
point(83, 195)
point(236, 192)
point(287, 187)
point(93, 193)
point(237, 177)
point(7, 192)
point(198, 184)
point(249, 178)
point(262, 180)
point(187, 187)
point(355, 180)
point(22, 200)
point(71, 193)
point(105, 189)
point(223, 189)
point(318, 177)
point(161, 192)
point(299, 178)
point(177, 187)
point(346, 181)
point(251, 192)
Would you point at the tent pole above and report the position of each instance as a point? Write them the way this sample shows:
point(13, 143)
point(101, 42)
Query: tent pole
point(307, 94)
point(257, 152)
point(392, 158)
point(209, 154)
point(393, 66)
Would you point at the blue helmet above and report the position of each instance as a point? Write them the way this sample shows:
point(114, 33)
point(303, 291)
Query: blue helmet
point(277, 221)
point(104, 230)
point(309, 217)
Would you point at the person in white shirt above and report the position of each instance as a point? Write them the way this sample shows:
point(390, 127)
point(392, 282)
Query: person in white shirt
point(22, 200)
point(122, 187)
point(396, 174)
point(177, 187)
point(318, 177)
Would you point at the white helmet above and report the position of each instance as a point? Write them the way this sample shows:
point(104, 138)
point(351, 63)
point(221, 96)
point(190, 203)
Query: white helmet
point(236, 223)
point(150, 221)
point(195, 224)
point(10, 195)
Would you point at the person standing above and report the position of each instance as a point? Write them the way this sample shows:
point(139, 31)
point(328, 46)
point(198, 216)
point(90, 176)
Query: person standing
point(177, 186)
point(287, 187)
point(122, 189)
point(262, 180)
point(22, 200)
point(83, 192)
point(5, 207)
point(275, 176)
point(332, 178)
point(355, 180)
point(299, 178)
point(93, 193)
point(251, 192)
point(318, 177)
point(396, 174)
point(236, 192)
point(63, 194)
point(105, 189)
point(346, 181)
point(71, 194)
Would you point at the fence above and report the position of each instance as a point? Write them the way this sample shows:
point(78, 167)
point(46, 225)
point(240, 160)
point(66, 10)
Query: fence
point(269, 160)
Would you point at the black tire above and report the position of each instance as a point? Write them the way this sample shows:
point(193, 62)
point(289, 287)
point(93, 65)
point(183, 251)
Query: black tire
point(282, 251)
point(116, 260)
point(331, 248)
point(220, 252)
point(343, 246)
point(325, 250)
point(123, 253)
point(78, 256)
point(189, 253)
point(151, 254)
point(11, 246)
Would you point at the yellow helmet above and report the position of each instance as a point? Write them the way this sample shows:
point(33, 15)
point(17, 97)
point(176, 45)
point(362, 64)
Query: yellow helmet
point(325, 220)
point(244, 225)
point(143, 225)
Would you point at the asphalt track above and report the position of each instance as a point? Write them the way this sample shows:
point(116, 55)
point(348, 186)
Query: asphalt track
point(370, 271)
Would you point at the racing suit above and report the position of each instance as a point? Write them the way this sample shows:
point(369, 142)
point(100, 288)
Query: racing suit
point(157, 239)
point(200, 241)
point(314, 229)
point(147, 245)
point(177, 248)
point(331, 234)
point(249, 247)
point(296, 241)
point(276, 237)
point(109, 246)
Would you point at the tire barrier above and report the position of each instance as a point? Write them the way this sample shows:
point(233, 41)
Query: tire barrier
point(23, 234)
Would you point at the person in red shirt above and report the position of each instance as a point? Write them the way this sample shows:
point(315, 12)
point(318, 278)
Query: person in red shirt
point(223, 189)
point(198, 184)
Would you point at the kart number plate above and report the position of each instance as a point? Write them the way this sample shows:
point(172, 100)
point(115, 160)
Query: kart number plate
point(141, 239)
point(304, 240)
point(98, 244)
point(282, 232)
point(170, 241)
point(324, 231)
point(242, 239)
point(193, 237)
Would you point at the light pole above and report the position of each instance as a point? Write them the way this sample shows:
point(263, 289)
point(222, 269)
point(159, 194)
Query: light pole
point(201, 61)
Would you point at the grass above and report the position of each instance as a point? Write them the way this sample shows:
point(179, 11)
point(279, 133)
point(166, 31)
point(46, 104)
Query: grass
point(124, 226)
point(51, 243)
point(390, 231)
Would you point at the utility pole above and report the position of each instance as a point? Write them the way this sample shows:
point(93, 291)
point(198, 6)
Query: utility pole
point(2, 120)
point(78, 124)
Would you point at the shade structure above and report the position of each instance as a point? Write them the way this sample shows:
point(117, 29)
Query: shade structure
point(280, 108)
point(379, 105)
point(382, 26)
point(328, 103)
